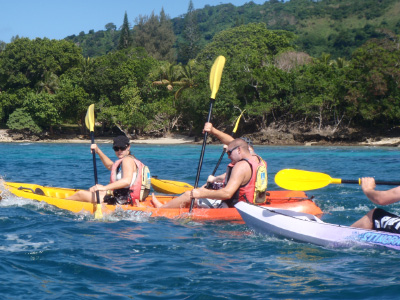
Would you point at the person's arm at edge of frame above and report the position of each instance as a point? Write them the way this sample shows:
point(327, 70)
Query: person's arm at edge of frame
point(379, 197)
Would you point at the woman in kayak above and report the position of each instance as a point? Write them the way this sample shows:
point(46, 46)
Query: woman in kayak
point(378, 218)
point(127, 184)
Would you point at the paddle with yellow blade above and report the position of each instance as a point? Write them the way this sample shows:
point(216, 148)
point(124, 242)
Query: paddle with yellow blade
point(89, 120)
point(298, 180)
point(215, 80)
point(178, 187)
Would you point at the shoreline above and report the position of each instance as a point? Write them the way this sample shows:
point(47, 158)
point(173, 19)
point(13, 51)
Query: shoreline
point(172, 140)
point(384, 142)
point(177, 139)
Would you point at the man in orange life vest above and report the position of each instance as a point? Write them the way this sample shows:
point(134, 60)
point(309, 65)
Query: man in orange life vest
point(225, 139)
point(239, 181)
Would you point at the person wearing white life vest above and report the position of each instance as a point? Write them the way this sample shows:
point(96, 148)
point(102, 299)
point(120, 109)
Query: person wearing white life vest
point(127, 185)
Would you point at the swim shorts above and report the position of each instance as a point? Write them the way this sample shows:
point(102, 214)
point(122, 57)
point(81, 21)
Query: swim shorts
point(385, 221)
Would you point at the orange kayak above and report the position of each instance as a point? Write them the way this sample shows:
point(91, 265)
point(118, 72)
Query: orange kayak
point(292, 200)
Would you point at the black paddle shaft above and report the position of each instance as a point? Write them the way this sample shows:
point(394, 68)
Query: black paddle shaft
point(219, 162)
point(96, 181)
point(202, 153)
point(379, 182)
point(209, 184)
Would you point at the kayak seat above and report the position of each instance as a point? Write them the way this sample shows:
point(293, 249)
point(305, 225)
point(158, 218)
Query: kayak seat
point(39, 191)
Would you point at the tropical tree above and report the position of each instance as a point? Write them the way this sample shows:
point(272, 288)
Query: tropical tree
point(155, 34)
point(187, 80)
point(25, 63)
point(2, 45)
point(315, 97)
point(125, 38)
point(44, 109)
point(30, 67)
point(118, 83)
point(250, 51)
point(190, 45)
point(123, 115)
point(21, 120)
point(374, 82)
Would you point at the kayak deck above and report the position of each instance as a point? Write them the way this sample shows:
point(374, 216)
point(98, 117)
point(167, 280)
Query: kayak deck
point(293, 200)
point(169, 186)
point(307, 228)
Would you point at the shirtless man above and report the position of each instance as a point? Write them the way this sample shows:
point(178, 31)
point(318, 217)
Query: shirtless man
point(240, 183)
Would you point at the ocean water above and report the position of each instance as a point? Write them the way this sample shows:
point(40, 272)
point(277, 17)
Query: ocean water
point(48, 253)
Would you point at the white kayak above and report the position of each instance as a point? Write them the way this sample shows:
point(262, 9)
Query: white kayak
point(310, 229)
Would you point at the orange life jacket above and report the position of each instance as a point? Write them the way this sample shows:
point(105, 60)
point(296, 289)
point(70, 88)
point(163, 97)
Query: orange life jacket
point(247, 192)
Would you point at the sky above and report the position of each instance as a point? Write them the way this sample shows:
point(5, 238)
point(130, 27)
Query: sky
point(57, 19)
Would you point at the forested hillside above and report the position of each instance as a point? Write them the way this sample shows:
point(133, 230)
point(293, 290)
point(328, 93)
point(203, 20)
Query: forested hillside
point(336, 27)
point(139, 86)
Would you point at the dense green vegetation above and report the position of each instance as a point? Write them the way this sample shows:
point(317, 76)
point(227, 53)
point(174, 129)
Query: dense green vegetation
point(138, 86)
point(336, 27)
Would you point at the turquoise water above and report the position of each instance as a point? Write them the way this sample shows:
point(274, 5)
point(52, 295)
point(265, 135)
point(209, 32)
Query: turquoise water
point(48, 253)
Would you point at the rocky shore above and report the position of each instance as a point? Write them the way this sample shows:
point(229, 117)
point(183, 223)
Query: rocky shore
point(270, 136)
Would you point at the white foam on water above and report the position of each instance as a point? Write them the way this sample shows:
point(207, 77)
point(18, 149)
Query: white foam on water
point(16, 243)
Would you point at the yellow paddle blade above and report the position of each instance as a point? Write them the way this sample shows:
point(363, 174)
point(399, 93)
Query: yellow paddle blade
point(89, 119)
point(98, 214)
point(215, 75)
point(237, 122)
point(298, 180)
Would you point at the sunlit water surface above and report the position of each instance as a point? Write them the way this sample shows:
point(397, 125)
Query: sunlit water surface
point(48, 253)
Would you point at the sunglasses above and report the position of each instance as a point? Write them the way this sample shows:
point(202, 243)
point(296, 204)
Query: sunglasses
point(119, 148)
point(229, 152)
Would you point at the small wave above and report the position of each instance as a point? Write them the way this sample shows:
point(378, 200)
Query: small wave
point(129, 215)
point(18, 243)
point(336, 208)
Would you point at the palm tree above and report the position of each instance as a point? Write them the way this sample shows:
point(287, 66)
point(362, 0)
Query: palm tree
point(49, 84)
point(341, 62)
point(187, 79)
point(176, 75)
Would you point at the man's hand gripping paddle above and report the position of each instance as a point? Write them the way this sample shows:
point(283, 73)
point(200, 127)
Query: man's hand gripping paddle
point(89, 120)
point(223, 150)
point(215, 79)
